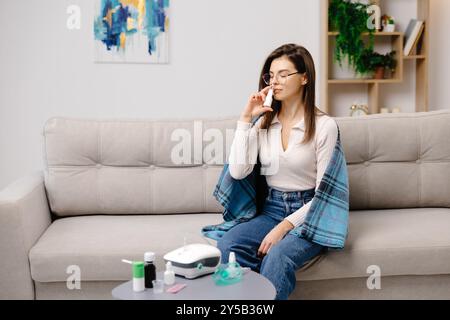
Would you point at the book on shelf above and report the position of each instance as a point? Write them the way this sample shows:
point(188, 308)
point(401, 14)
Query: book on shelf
point(412, 35)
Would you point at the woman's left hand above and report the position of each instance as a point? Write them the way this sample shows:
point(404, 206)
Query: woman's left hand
point(274, 236)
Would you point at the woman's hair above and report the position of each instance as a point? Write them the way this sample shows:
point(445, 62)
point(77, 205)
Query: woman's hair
point(303, 62)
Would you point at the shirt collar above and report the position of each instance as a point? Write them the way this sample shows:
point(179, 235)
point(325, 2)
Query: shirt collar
point(300, 125)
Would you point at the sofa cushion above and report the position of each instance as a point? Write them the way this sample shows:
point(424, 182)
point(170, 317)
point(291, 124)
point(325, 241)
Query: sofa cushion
point(97, 244)
point(397, 160)
point(134, 166)
point(400, 242)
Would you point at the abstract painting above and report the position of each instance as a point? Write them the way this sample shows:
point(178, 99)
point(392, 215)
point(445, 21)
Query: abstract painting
point(131, 31)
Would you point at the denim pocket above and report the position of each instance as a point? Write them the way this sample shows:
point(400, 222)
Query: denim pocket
point(307, 199)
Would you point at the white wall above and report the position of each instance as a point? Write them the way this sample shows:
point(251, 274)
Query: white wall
point(216, 51)
point(439, 55)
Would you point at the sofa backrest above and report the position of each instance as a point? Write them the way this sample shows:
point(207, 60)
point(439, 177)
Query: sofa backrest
point(398, 160)
point(133, 166)
point(121, 166)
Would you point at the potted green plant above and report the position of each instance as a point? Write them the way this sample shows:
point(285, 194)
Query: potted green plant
point(349, 19)
point(378, 63)
point(388, 23)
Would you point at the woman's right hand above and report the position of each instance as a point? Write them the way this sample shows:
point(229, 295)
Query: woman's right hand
point(255, 106)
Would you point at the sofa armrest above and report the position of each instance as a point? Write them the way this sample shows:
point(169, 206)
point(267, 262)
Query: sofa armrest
point(24, 216)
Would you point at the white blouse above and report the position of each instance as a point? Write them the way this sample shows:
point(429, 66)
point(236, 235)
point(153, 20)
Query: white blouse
point(300, 167)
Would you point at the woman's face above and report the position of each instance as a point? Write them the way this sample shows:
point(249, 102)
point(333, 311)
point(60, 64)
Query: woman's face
point(285, 86)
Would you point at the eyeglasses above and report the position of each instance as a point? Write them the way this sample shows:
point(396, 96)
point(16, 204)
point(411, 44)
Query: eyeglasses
point(281, 77)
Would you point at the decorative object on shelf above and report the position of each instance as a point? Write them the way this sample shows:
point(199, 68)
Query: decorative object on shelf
point(350, 20)
point(359, 110)
point(131, 31)
point(384, 110)
point(388, 23)
point(377, 63)
point(412, 35)
point(396, 110)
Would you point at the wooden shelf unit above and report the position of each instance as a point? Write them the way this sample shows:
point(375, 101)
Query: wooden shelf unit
point(374, 86)
point(335, 33)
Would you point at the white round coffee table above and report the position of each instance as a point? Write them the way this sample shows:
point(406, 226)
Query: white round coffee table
point(253, 286)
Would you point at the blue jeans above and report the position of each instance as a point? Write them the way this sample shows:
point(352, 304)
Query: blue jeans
point(284, 258)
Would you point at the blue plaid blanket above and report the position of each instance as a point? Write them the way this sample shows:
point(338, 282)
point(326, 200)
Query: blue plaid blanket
point(326, 222)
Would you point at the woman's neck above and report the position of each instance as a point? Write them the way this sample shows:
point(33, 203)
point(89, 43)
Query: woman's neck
point(292, 109)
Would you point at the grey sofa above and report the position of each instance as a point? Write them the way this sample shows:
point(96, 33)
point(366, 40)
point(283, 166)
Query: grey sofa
point(111, 190)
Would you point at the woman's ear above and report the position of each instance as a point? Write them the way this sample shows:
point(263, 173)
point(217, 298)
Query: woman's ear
point(304, 79)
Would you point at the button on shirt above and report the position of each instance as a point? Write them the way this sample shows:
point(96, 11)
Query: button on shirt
point(300, 167)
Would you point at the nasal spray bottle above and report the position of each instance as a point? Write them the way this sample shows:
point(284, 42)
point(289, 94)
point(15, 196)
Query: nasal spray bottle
point(269, 98)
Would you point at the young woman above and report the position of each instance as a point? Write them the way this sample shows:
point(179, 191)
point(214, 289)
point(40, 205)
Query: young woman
point(294, 141)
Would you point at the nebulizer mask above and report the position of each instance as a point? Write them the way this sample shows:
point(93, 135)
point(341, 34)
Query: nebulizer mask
point(230, 273)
